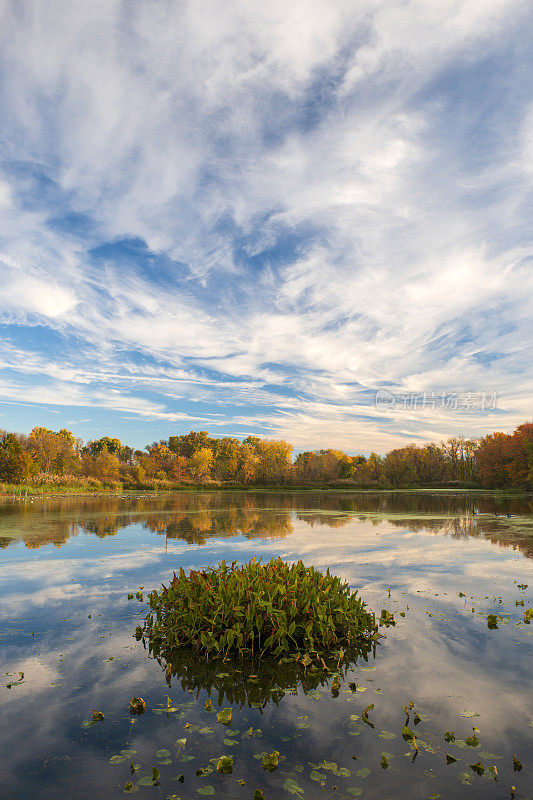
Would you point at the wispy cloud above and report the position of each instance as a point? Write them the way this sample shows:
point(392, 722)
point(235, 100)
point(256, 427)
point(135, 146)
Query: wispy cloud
point(252, 217)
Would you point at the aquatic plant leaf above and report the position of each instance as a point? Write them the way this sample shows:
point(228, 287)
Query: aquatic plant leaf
point(276, 607)
point(478, 768)
point(130, 787)
point(384, 761)
point(472, 741)
point(450, 759)
point(292, 787)
point(97, 715)
point(163, 753)
point(225, 765)
point(449, 736)
point(258, 794)
point(364, 772)
point(224, 716)
point(137, 705)
point(517, 765)
point(343, 772)
point(407, 734)
point(207, 790)
point(387, 735)
point(355, 791)
point(319, 777)
point(331, 766)
point(494, 772)
point(465, 778)
point(270, 761)
point(118, 759)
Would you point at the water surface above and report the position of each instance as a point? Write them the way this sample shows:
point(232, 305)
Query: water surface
point(447, 560)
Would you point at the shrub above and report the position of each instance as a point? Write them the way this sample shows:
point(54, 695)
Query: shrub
point(257, 608)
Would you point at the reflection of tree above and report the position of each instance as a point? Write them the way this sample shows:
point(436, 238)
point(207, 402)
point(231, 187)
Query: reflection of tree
point(254, 682)
point(497, 530)
point(197, 517)
point(198, 528)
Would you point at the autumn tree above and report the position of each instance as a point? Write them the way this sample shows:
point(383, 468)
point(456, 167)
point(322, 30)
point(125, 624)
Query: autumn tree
point(15, 464)
point(200, 464)
point(53, 451)
point(492, 460)
point(114, 446)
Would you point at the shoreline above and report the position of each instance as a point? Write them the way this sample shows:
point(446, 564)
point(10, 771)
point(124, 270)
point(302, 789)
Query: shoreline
point(22, 492)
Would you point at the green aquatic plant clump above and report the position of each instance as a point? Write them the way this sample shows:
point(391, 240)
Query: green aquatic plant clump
point(271, 608)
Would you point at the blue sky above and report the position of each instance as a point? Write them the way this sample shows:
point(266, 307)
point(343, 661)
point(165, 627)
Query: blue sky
point(248, 217)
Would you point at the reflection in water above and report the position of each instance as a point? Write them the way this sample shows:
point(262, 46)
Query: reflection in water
point(256, 682)
point(69, 628)
point(195, 518)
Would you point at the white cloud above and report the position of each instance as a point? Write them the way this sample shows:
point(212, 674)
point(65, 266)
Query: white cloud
point(363, 130)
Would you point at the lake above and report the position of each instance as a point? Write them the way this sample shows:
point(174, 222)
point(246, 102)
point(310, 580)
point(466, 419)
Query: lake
point(441, 562)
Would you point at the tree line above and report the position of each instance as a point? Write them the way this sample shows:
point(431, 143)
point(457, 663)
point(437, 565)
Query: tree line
point(57, 458)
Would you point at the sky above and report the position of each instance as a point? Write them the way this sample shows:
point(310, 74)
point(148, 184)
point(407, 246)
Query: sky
point(250, 217)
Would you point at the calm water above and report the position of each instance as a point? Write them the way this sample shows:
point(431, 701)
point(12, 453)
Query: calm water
point(66, 566)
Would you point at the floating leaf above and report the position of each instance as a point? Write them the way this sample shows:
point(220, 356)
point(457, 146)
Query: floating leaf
point(492, 622)
point(208, 789)
point(319, 777)
point(270, 761)
point(224, 716)
point(117, 759)
point(137, 705)
point(517, 765)
point(258, 794)
point(331, 766)
point(408, 734)
point(163, 753)
point(130, 787)
point(472, 741)
point(478, 768)
point(450, 759)
point(387, 735)
point(225, 765)
point(292, 787)
point(355, 791)
point(449, 736)
point(97, 715)
point(384, 761)
point(494, 772)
